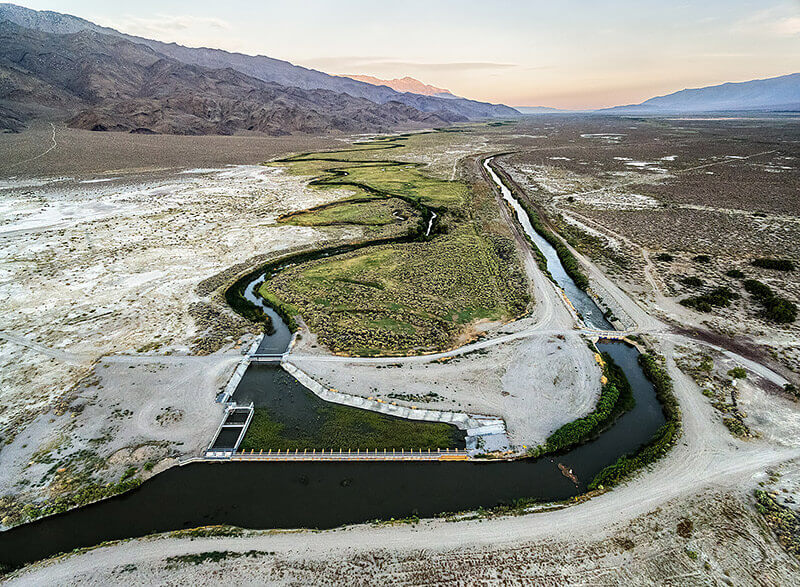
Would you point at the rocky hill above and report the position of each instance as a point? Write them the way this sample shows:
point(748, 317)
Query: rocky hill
point(105, 82)
point(260, 67)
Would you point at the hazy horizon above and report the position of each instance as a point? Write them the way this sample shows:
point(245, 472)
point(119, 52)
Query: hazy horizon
point(575, 56)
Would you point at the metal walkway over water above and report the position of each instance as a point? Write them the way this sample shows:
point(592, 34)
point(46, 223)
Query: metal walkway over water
point(349, 455)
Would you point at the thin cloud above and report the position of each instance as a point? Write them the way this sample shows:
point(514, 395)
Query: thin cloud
point(788, 27)
point(168, 25)
point(362, 63)
point(772, 21)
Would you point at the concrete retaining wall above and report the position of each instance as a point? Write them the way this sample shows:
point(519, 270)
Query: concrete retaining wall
point(460, 420)
point(476, 426)
point(233, 382)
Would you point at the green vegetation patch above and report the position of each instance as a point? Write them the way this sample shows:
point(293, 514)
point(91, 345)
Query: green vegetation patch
point(784, 522)
point(616, 397)
point(403, 297)
point(367, 213)
point(717, 297)
point(664, 438)
point(776, 308)
point(418, 292)
point(771, 263)
point(346, 428)
point(692, 281)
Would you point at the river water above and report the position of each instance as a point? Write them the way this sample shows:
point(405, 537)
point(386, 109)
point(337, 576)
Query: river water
point(325, 495)
point(592, 315)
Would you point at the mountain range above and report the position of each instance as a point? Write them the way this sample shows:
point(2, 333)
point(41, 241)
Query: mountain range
point(773, 94)
point(60, 66)
point(405, 84)
point(274, 92)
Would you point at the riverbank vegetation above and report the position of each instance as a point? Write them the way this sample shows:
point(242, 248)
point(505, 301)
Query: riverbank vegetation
point(662, 441)
point(371, 212)
point(418, 292)
point(568, 260)
point(616, 398)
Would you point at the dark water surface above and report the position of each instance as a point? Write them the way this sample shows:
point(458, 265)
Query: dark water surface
point(325, 495)
point(592, 315)
point(277, 341)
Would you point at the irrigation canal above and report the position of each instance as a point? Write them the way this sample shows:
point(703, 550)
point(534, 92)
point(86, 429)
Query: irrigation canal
point(290, 494)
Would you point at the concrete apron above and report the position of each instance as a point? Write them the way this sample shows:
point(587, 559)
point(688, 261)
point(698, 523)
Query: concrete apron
point(484, 433)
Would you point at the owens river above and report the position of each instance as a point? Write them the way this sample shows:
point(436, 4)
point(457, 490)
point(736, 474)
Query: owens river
point(262, 495)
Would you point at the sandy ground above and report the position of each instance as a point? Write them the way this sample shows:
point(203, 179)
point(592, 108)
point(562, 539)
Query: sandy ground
point(536, 384)
point(127, 413)
point(93, 269)
point(99, 272)
point(37, 152)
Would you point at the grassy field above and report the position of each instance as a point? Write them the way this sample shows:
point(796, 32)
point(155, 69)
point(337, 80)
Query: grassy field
point(345, 428)
point(421, 293)
point(375, 212)
point(402, 296)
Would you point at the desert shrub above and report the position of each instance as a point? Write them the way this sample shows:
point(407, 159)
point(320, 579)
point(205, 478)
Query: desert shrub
point(783, 521)
point(772, 263)
point(776, 308)
point(664, 257)
point(737, 373)
point(780, 310)
point(692, 281)
point(684, 528)
point(664, 438)
point(735, 273)
point(757, 289)
point(717, 297)
point(736, 427)
point(701, 259)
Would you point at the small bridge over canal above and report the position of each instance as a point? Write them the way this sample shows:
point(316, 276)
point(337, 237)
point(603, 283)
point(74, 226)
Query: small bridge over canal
point(274, 359)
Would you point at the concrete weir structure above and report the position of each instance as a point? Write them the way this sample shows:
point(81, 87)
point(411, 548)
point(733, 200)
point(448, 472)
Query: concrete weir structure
point(484, 433)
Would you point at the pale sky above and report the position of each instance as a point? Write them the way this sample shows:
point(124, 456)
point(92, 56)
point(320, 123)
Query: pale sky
point(567, 53)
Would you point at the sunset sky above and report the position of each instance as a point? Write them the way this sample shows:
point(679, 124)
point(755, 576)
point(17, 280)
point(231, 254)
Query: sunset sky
point(567, 54)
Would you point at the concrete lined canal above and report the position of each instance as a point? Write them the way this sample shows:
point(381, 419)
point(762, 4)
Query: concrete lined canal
point(291, 495)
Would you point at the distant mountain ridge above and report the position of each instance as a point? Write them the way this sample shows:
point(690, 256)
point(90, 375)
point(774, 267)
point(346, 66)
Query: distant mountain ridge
point(260, 67)
point(404, 84)
point(539, 110)
point(105, 82)
point(772, 94)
